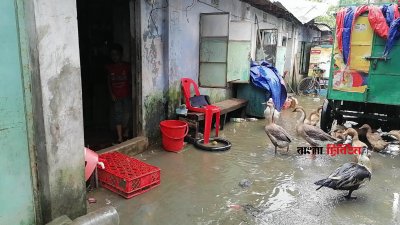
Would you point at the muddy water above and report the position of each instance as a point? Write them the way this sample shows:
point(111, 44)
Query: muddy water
point(200, 187)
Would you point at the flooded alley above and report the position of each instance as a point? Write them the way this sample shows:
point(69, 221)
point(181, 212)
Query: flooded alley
point(200, 187)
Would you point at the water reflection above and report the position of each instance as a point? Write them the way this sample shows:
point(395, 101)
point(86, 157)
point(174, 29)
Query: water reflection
point(200, 187)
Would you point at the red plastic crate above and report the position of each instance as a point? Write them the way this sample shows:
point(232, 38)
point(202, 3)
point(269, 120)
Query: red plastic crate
point(127, 176)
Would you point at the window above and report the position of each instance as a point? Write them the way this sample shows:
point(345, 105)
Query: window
point(304, 57)
point(214, 34)
point(284, 41)
point(267, 41)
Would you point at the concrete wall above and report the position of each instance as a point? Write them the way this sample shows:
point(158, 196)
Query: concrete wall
point(60, 158)
point(154, 60)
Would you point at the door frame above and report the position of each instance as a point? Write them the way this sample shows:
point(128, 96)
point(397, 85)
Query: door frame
point(26, 29)
point(136, 66)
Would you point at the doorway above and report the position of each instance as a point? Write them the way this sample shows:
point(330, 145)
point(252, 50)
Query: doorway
point(104, 24)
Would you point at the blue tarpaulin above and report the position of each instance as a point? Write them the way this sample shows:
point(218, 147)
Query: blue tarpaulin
point(393, 36)
point(388, 13)
point(265, 76)
point(347, 26)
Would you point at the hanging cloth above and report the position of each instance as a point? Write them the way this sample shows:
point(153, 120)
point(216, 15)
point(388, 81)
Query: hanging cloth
point(347, 27)
point(394, 35)
point(396, 11)
point(390, 12)
point(339, 27)
point(378, 21)
point(344, 25)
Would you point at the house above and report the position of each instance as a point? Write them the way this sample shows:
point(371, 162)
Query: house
point(53, 92)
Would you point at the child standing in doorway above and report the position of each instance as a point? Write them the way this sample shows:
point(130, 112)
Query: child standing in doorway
point(119, 85)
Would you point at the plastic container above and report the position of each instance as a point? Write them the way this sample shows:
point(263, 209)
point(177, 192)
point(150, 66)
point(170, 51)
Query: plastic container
point(173, 133)
point(127, 176)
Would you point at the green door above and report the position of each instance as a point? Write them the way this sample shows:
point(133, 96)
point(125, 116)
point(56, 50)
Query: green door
point(16, 195)
point(384, 76)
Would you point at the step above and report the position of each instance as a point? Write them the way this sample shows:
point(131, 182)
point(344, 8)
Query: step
point(130, 147)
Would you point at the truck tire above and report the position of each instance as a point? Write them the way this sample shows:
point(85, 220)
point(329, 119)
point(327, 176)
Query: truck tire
point(326, 116)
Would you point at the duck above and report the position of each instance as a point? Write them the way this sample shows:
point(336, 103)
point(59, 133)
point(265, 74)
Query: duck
point(311, 134)
point(294, 102)
point(394, 146)
point(269, 110)
point(337, 131)
point(354, 137)
point(278, 136)
point(376, 141)
point(355, 141)
point(395, 133)
point(313, 117)
point(350, 176)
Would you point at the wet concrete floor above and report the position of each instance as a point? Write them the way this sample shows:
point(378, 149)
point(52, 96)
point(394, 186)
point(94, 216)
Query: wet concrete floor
point(199, 187)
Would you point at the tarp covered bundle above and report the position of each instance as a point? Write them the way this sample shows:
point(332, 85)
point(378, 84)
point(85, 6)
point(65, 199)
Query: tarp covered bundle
point(266, 76)
point(394, 35)
point(383, 21)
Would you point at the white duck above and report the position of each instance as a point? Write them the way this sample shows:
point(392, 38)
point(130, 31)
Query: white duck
point(271, 111)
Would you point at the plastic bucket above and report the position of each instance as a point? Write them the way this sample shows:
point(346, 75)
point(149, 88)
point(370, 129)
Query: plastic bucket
point(173, 133)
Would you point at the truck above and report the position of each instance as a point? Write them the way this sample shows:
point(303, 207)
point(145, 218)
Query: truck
point(364, 82)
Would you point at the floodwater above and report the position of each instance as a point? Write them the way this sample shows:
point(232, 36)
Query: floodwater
point(199, 187)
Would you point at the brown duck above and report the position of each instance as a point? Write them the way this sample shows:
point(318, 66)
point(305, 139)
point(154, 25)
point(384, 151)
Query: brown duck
point(355, 141)
point(278, 136)
point(314, 116)
point(395, 133)
point(311, 134)
point(294, 102)
point(376, 141)
point(354, 135)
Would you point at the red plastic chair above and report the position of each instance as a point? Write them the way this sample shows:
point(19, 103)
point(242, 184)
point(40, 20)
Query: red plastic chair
point(208, 110)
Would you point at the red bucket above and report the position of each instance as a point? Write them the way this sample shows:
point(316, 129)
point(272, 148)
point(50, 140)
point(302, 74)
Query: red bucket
point(173, 133)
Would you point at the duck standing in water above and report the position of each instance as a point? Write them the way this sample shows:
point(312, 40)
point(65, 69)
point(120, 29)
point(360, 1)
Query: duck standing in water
point(376, 141)
point(395, 133)
point(354, 136)
point(355, 142)
point(313, 117)
point(278, 136)
point(294, 102)
point(271, 111)
point(311, 134)
point(350, 176)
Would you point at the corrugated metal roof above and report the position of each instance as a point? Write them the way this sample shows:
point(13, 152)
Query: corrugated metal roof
point(322, 27)
point(302, 10)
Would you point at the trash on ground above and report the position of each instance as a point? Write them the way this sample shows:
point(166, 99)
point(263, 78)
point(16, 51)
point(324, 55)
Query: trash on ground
point(181, 110)
point(251, 119)
point(316, 99)
point(349, 124)
point(235, 206)
point(237, 120)
point(92, 200)
point(245, 183)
